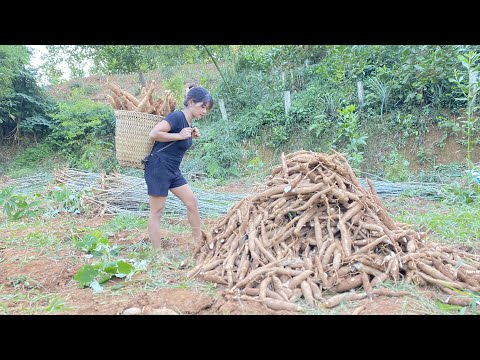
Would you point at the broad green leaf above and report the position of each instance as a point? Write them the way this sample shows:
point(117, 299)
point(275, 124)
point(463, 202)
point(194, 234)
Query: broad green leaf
point(111, 267)
point(104, 278)
point(86, 275)
point(35, 203)
point(124, 267)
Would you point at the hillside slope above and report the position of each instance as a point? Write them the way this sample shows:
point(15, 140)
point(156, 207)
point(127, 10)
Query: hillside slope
point(434, 148)
point(95, 87)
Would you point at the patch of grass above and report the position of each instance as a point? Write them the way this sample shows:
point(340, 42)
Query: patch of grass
point(40, 224)
point(22, 282)
point(3, 309)
point(56, 305)
point(124, 222)
point(31, 301)
point(21, 224)
point(42, 155)
point(450, 224)
point(174, 225)
point(159, 280)
point(162, 271)
point(138, 250)
point(209, 288)
point(417, 302)
point(122, 289)
point(315, 310)
point(40, 239)
point(185, 283)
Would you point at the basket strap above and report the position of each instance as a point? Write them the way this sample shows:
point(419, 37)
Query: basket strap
point(144, 161)
point(173, 142)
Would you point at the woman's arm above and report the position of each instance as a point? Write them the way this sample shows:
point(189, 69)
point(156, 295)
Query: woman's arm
point(161, 133)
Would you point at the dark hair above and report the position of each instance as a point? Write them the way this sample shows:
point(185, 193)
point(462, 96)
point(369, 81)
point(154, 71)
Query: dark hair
point(198, 94)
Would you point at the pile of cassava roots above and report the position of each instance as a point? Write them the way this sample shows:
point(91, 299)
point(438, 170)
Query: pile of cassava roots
point(316, 233)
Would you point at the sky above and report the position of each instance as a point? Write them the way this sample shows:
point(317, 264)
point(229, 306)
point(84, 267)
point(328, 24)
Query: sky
point(39, 50)
point(36, 61)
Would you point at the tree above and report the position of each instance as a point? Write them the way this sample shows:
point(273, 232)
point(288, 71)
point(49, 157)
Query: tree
point(12, 58)
point(22, 102)
point(120, 59)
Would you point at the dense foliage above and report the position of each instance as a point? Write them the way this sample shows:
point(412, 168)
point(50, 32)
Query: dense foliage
point(369, 101)
point(23, 104)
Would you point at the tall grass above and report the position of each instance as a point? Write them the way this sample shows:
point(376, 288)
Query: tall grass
point(448, 223)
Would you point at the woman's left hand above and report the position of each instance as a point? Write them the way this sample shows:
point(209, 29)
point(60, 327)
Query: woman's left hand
point(195, 133)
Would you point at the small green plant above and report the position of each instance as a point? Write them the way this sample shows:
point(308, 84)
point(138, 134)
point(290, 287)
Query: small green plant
point(331, 103)
point(279, 136)
point(426, 156)
point(319, 125)
point(470, 89)
point(349, 134)
point(396, 167)
point(93, 275)
point(22, 281)
point(255, 165)
point(382, 91)
point(64, 200)
point(176, 85)
point(17, 206)
point(99, 273)
point(466, 190)
point(95, 243)
point(57, 304)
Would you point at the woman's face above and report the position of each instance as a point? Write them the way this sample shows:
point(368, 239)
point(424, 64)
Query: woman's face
point(199, 110)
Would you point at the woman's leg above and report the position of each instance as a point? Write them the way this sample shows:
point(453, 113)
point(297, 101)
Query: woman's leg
point(157, 204)
point(185, 194)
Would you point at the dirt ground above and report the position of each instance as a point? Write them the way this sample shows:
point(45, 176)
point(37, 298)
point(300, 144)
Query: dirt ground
point(36, 276)
point(35, 270)
point(33, 277)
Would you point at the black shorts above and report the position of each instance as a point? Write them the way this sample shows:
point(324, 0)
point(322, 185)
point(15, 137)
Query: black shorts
point(160, 177)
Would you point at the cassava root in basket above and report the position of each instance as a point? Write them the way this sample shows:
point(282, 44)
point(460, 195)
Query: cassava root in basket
point(315, 231)
point(123, 100)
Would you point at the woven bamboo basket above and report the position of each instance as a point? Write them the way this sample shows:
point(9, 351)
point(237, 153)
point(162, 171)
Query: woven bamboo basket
point(132, 142)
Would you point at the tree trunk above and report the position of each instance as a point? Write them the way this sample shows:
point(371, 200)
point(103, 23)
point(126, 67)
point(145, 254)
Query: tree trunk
point(141, 78)
point(218, 68)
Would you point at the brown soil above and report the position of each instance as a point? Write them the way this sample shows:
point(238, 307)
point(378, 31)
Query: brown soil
point(30, 270)
point(449, 152)
point(33, 275)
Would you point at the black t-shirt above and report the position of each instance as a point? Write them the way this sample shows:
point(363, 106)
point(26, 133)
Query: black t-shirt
point(173, 154)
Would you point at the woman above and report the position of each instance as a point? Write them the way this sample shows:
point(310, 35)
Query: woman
point(173, 137)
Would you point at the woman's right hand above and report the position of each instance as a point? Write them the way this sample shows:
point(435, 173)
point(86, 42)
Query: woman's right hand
point(185, 133)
